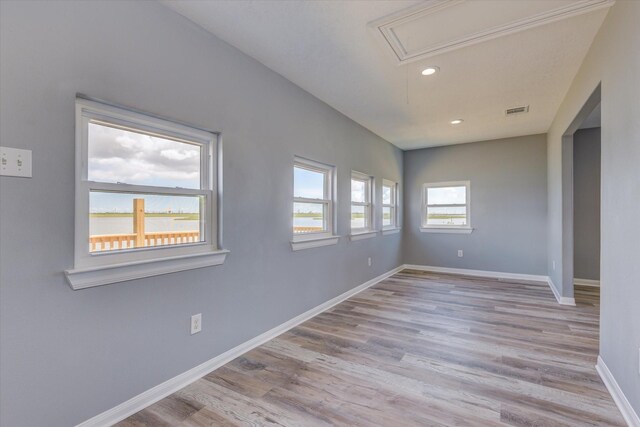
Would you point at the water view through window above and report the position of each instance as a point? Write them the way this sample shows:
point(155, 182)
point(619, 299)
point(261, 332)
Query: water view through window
point(386, 216)
point(360, 207)
point(446, 206)
point(310, 201)
point(358, 218)
point(126, 221)
point(121, 220)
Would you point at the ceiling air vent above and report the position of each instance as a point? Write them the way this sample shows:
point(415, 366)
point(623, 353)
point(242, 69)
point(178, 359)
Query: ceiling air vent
point(516, 110)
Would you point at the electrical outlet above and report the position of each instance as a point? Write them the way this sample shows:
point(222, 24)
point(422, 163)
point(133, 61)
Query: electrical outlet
point(460, 254)
point(553, 265)
point(369, 261)
point(196, 323)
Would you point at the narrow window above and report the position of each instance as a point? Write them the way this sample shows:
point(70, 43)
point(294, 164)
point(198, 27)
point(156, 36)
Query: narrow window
point(389, 204)
point(313, 201)
point(446, 206)
point(361, 205)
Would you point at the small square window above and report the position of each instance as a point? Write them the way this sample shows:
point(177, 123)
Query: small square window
point(446, 206)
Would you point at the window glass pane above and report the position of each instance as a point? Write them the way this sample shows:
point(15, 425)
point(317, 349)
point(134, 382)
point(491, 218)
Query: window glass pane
point(309, 218)
point(164, 220)
point(447, 195)
point(447, 216)
point(386, 216)
point(386, 195)
point(119, 155)
point(358, 191)
point(308, 184)
point(358, 217)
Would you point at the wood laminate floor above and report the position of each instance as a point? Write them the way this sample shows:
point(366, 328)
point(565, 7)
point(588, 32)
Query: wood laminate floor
point(417, 349)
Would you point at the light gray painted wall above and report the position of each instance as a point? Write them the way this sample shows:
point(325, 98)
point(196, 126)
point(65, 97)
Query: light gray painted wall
point(508, 205)
point(614, 61)
point(67, 356)
point(586, 204)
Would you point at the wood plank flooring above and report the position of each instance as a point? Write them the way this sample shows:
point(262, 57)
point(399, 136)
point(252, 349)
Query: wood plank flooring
point(417, 349)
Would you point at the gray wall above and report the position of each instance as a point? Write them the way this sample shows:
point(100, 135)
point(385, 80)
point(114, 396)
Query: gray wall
point(67, 356)
point(586, 204)
point(508, 205)
point(612, 61)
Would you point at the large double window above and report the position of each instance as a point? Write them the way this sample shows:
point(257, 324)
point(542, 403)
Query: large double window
point(145, 192)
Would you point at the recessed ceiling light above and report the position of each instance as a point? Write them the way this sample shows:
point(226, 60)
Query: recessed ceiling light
point(430, 70)
point(456, 121)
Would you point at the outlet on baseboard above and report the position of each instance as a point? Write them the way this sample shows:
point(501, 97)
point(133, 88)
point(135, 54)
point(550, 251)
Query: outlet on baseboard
point(196, 323)
point(460, 254)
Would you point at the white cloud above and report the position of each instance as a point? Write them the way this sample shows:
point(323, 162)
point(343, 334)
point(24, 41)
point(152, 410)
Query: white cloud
point(117, 155)
point(174, 154)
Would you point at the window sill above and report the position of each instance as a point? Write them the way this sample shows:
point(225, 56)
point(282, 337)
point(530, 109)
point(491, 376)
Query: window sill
point(82, 278)
point(363, 235)
point(298, 245)
point(386, 232)
point(454, 230)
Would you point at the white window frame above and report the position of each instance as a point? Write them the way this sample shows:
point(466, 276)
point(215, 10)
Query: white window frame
point(387, 229)
point(101, 268)
point(369, 230)
point(327, 236)
point(434, 228)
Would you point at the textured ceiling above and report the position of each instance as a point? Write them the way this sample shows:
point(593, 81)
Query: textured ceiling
point(327, 48)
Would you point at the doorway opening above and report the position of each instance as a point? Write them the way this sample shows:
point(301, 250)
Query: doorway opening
point(581, 183)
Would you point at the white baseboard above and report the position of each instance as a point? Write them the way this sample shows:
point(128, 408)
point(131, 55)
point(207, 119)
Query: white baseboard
point(587, 282)
point(618, 396)
point(174, 384)
point(561, 300)
point(478, 273)
point(497, 275)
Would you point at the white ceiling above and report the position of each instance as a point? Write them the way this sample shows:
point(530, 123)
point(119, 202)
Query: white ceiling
point(331, 49)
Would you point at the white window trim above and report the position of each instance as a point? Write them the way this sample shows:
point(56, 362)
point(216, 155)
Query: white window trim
point(462, 229)
point(393, 227)
point(363, 235)
point(95, 269)
point(389, 231)
point(370, 230)
point(314, 243)
point(323, 238)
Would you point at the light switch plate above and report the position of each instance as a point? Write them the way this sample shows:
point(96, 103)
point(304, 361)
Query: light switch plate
point(15, 162)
